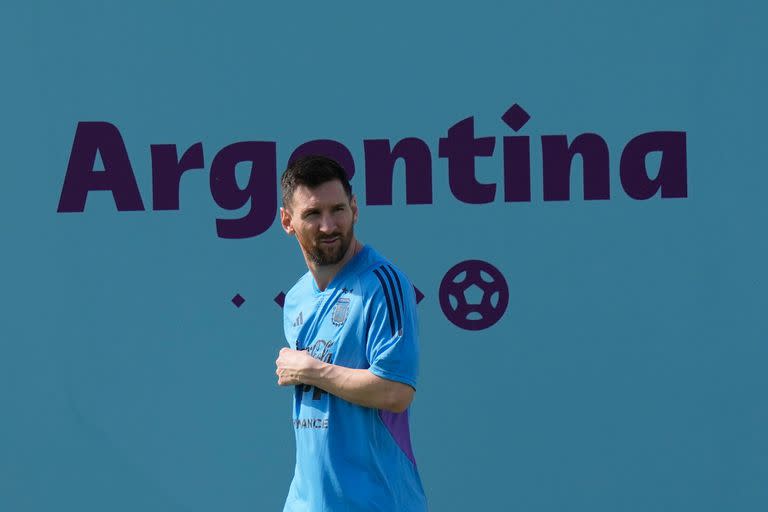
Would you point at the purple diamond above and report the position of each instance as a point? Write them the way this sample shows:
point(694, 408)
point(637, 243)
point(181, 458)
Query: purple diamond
point(238, 300)
point(515, 117)
point(419, 295)
point(280, 299)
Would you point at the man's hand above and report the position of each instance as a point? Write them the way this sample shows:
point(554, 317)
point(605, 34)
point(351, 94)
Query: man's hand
point(292, 366)
point(358, 386)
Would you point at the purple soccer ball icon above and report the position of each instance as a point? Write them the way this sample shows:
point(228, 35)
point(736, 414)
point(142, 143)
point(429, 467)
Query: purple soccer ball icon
point(474, 295)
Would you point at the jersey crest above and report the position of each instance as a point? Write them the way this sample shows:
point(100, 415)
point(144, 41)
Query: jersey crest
point(340, 311)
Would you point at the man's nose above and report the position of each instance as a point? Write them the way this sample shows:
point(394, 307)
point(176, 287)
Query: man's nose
point(327, 223)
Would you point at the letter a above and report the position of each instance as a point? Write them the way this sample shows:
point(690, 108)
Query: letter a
point(117, 176)
point(672, 178)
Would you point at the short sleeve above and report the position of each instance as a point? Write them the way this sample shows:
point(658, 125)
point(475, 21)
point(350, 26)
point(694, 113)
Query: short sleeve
point(392, 327)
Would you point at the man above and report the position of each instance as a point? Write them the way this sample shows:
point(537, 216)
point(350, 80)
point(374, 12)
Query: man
point(351, 324)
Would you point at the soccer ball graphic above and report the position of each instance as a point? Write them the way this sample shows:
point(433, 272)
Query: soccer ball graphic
point(474, 295)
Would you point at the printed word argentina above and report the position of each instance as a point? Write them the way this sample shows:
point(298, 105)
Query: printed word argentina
point(460, 147)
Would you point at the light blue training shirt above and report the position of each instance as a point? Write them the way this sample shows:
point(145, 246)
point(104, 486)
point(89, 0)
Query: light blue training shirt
point(349, 457)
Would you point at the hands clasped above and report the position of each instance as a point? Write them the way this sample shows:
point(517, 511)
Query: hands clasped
point(292, 366)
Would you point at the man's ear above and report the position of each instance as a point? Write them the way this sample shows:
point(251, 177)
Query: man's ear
point(285, 220)
point(353, 206)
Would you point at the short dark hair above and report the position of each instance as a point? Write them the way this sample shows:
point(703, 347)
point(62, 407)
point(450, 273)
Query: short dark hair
point(312, 171)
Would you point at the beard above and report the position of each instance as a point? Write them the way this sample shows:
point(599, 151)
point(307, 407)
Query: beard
point(321, 254)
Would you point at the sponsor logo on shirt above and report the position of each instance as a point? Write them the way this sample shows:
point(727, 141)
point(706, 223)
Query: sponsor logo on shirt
point(321, 349)
point(316, 423)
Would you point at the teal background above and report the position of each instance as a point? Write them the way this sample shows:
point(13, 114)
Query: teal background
point(628, 373)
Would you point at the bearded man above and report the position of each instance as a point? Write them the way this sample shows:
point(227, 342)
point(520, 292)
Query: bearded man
point(351, 325)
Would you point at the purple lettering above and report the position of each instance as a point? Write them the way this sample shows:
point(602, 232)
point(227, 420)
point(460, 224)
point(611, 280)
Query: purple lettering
point(672, 177)
point(517, 169)
point(81, 177)
point(380, 165)
point(517, 157)
point(261, 189)
point(167, 170)
point(460, 148)
point(557, 157)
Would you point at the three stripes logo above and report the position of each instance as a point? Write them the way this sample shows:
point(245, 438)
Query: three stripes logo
point(393, 293)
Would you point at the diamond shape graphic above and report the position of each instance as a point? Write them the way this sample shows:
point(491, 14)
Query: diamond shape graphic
point(515, 117)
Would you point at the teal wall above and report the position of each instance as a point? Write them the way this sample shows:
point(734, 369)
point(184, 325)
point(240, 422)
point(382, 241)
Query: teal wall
point(628, 372)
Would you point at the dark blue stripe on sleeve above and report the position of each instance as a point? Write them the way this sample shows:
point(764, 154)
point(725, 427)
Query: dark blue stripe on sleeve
point(389, 303)
point(399, 287)
point(395, 298)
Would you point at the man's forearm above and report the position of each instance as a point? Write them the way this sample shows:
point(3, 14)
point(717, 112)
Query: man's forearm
point(359, 386)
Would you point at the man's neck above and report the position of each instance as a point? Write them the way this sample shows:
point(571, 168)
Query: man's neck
point(324, 274)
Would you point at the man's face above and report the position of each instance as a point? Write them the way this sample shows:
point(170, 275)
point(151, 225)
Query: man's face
point(322, 218)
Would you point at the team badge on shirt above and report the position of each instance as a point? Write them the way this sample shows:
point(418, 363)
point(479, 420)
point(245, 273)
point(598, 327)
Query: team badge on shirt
point(340, 311)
